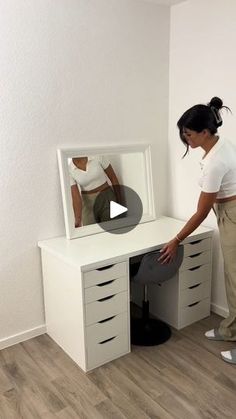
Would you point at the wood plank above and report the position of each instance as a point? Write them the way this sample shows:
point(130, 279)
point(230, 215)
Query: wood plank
point(183, 378)
point(134, 393)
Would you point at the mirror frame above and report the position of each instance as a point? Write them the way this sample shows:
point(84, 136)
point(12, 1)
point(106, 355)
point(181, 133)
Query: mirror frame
point(64, 153)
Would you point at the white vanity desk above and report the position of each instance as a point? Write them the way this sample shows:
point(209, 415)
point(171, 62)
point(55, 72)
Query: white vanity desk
point(86, 288)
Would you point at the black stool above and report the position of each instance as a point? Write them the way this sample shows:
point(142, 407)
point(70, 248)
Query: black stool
point(147, 270)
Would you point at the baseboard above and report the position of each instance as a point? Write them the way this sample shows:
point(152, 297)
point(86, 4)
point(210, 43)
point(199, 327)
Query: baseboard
point(40, 330)
point(219, 310)
point(21, 337)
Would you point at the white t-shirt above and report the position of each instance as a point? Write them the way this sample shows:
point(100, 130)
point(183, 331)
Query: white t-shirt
point(219, 170)
point(94, 175)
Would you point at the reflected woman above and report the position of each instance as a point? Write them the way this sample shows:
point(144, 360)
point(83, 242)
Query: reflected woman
point(88, 178)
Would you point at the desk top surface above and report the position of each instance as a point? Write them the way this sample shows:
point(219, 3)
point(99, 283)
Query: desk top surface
point(90, 251)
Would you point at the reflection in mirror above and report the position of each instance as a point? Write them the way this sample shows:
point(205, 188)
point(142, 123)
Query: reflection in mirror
point(107, 173)
point(89, 176)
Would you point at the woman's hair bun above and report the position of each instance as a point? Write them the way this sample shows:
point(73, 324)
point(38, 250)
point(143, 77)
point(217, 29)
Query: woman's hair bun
point(216, 102)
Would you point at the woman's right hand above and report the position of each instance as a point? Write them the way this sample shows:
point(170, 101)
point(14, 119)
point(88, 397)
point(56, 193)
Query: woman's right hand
point(168, 252)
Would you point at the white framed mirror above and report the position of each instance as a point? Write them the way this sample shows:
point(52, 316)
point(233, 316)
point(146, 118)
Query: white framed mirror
point(86, 171)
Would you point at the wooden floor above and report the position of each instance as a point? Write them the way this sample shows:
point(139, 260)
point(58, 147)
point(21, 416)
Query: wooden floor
point(184, 378)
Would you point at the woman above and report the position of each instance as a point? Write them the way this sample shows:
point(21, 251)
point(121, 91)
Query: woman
point(198, 128)
point(88, 176)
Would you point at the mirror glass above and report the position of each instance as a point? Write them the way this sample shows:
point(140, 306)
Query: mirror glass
point(105, 188)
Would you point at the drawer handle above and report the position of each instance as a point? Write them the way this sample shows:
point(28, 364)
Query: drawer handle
point(194, 256)
point(105, 283)
point(106, 298)
point(107, 340)
point(196, 267)
point(194, 286)
point(193, 304)
point(196, 242)
point(107, 320)
point(104, 267)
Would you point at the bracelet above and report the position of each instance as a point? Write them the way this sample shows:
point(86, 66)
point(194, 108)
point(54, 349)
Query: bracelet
point(177, 237)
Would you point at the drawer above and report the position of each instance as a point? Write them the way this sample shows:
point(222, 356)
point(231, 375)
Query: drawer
point(107, 350)
point(197, 246)
point(195, 293)
point(115, 325)
point(193, 313)
point(196, 260)
point(105, 273)
point(194, 275)
point(104, 289)
point(104, 308)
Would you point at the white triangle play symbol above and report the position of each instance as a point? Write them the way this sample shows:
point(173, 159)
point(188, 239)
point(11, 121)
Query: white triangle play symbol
point(116, 209)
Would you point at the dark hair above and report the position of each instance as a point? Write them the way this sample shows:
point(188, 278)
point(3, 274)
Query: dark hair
point(201, 117)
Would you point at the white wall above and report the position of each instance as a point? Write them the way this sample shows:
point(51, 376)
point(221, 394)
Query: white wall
point(72, 72)
point(202, 65)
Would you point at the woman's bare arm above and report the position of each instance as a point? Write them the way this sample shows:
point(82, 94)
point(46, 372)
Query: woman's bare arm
point(115, 182)
point(77, 205)
point(205, 204)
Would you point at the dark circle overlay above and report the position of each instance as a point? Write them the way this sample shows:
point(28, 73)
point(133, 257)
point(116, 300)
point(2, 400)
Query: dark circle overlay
point(122, 223)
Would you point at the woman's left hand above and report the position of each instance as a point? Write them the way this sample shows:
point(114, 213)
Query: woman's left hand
point(168, 252)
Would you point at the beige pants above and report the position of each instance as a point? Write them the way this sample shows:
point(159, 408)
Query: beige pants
point(226, 219)
point(102, 211)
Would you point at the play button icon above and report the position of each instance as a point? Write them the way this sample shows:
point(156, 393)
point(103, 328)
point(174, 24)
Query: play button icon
point(116, 209)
